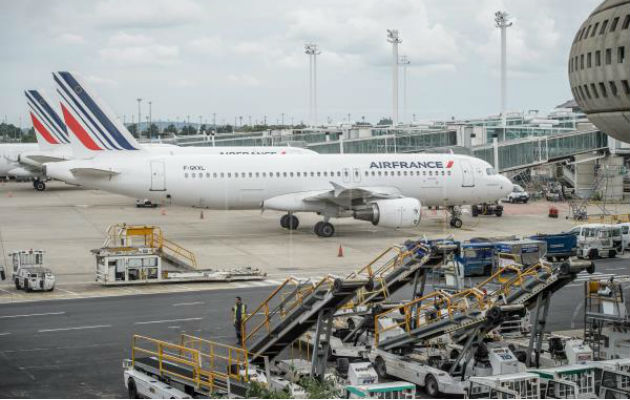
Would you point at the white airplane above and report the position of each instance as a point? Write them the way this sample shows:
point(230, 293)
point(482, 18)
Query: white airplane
point(386, 189)
point(24, 160)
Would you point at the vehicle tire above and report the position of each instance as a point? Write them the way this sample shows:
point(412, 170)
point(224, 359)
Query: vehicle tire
point(326, 229)
point(431, 386)
point(17, 283)
point(475, 211)
point(525, 201)
point(612, 254)
point(292, 222)
point(592, 254)
point(498, 213)
point(26, 286)
point(456, 223)
point(132, 389)
point(380, 367)
point(284, 221)
point(40, 186)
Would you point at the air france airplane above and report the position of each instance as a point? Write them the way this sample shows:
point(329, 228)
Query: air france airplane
point(387, 190)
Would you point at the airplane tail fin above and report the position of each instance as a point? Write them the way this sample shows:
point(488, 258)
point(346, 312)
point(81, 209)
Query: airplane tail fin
point(50, 131)
point(94, 126)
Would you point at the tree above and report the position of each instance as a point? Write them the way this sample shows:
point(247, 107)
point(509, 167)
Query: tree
point(385, 121)
point(153, 131)
point(29, 137)
point(171, 129)
point(133, 129)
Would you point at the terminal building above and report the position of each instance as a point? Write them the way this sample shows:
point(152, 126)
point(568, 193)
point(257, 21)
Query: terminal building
point(599, 69)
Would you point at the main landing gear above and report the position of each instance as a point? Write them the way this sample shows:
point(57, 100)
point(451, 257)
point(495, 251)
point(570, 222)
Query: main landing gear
point(324, 229)
point(39, 185)
point(456, 220)
point(321, 229)
point(289, 221)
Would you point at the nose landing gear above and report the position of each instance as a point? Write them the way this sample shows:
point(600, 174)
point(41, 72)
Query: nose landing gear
point(456, 213)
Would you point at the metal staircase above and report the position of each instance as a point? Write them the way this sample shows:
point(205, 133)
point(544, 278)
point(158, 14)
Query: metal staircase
point(293, 308)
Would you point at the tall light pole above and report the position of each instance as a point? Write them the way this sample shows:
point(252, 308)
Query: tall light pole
point(501, 20)
point(150, 120)
point(404, 61)
point(139, 116)
point(312, 51)
point(394, 39)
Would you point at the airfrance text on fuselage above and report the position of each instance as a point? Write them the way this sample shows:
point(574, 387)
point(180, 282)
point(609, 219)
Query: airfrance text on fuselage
point(410, 164)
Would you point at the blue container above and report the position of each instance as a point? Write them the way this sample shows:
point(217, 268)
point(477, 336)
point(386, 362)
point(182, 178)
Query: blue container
point(559, 245)
point(477, 258)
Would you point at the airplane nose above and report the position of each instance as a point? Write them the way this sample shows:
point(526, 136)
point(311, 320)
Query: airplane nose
point(506, 185)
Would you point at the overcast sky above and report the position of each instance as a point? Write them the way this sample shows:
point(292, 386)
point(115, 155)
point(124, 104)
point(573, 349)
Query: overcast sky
point(247, 57)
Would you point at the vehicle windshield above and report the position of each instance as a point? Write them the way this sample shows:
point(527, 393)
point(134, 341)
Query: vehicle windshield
point(605, 233)
point(518, 189)
point(625, 229)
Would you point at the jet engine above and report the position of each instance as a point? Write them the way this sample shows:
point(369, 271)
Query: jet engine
point(394, 213)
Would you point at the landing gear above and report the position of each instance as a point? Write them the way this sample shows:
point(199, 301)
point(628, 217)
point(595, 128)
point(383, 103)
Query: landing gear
point(456, 213)
point(324, 229)
point(39, 185)
point(289, 221)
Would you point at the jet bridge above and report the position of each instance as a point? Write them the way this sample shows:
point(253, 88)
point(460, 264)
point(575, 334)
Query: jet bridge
point(293, 308)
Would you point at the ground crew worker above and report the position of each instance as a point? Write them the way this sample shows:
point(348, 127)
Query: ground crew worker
point(238, 313)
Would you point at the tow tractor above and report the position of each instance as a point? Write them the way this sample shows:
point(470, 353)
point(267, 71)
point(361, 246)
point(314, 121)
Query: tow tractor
point(29, 272)
point(487, 209)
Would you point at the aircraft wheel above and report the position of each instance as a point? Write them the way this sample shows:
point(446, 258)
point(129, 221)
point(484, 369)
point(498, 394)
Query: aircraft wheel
point(324, 229)
point(292, 222)
point(284, 221)
point(40, 186)
point(456, 222)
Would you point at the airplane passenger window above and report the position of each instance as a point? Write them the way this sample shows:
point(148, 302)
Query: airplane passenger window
point(284, 174)
point(366, 173)
point(345, 173)
point(325, 173)
point(449, 173)
point(214, 174)
point(398, 173)
point(207, 174)
point(338, 173)
point(424, 173)
point(298, 174)
point(250, 174)
point(277, 174)
point(186, 175)
point(490, 171)
point(379, 173)
point(385, 173)
point(222, 175)
point(405, 173)
point(373, 173)
point(290, 174)
point(257, 174)
point(229, 174)
point(193, 175)
point(319, 173)
point(264, 174)
point(312, 174)
point(200, 175)
point(442, 173)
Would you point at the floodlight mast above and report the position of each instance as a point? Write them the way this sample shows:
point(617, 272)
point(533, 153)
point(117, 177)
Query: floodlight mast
point(404, 62)
point(502, 22)
point(312, 50)
point(394, 39)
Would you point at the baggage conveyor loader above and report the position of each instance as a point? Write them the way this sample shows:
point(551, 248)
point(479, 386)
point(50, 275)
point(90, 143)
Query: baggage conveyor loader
point(460, 321)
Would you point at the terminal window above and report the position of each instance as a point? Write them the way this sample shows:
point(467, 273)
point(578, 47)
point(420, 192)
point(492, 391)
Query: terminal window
point(621, 54)
point(614, 23)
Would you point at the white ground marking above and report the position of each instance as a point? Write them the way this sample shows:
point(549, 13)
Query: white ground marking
point(5, 333)
point(31, 315)
point(74, 328)
point(167, 320)
point(192, 303)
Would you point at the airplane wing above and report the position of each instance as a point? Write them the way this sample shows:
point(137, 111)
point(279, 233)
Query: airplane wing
point(342, 195)
point(43, 158)
point(339, 196)
point(94, 172)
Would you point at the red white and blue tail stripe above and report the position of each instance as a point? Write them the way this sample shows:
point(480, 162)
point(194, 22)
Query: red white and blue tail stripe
point(49, 128)
point(87, 117)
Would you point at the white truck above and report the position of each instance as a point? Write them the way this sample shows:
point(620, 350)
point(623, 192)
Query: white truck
point(595, 240)
point(430, 368)
point(29, 273)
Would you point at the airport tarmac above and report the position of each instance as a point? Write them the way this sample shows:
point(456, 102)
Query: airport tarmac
point(67, 222)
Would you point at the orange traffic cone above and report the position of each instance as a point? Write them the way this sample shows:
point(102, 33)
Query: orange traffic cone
point(201, 215)
point(163, 211)
point(340, 252)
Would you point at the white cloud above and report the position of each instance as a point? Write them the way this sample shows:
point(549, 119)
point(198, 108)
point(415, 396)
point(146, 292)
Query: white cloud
point(150, 55)
point(207, 45)
point(70, 38)
point(243, 79)
point(147, 13)
point(100, 81)
point(125, 39)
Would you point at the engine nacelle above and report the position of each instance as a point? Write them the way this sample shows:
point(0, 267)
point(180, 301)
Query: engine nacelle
point(394, 213)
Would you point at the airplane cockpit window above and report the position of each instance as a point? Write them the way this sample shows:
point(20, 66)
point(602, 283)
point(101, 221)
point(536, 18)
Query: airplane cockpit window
point(491, 171)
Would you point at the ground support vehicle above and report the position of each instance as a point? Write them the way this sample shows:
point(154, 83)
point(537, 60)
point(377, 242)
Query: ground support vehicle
point(525, 252)
point(487, 209)
point(136, 255)
point(594, 240)
point(477, 258)
point(146, 203)
point(518, 195)
point(29, 272)
point(560, 246)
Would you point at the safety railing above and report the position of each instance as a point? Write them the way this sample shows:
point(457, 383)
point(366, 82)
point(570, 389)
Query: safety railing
point(173, 361)
point(283, 300)
point(124, 237)
point(431, 308)
point(224, 361)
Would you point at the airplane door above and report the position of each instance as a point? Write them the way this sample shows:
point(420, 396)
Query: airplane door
point(346, 175)
point(468, 178)
point(356, 175)
point(158, 178)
